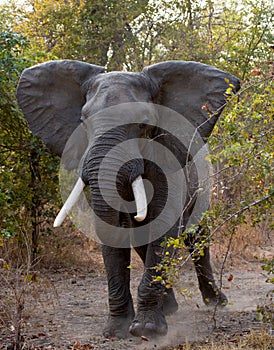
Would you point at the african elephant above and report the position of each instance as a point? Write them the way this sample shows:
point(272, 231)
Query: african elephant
point(57, 97)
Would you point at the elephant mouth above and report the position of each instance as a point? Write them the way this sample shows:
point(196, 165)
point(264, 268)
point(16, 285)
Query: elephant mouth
point(138, 192)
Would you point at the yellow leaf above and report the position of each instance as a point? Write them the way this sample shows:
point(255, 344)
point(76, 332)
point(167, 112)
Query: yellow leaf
point(6, 266)
point(158, 278)
point(229, 91)
point(259, 316)
point(184, 291)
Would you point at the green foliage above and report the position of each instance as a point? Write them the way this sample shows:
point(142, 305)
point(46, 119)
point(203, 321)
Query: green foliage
point(131, 34)
point(13, 130)
point(27, 169)
point(95, 31)
point(265, 312)
point(234, 36)
point(242, 146)
point(268, 266)
point(242, 153)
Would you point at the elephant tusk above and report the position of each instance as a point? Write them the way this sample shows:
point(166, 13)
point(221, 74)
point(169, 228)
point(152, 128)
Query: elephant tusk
point(140, 198)
point(69, 203)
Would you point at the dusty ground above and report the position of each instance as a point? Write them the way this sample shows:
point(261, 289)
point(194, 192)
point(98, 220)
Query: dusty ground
point(74, 309)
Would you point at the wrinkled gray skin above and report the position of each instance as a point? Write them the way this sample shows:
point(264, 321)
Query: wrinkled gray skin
point(56, 96)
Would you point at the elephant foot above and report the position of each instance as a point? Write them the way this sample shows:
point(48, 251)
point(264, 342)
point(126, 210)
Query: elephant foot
point(150, 323)
point(170, 305)
point(212, 296)
point(117, 327)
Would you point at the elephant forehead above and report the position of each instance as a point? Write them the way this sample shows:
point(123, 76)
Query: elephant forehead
point(127, 78)
point(115, 88)
point(121, 84)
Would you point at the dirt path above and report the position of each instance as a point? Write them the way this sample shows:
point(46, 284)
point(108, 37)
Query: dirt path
point(76, 310)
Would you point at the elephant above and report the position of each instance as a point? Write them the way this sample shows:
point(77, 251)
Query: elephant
point(58, 97)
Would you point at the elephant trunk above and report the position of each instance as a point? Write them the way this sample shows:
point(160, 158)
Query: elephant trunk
point(105, 190)
point(114, 182)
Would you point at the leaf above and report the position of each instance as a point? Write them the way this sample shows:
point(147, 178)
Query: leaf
point(230, 278)
point(229, 91)
point(6, 266)
point(144, 338)
point(76, 345)
point(158, 279)
point(259, 316)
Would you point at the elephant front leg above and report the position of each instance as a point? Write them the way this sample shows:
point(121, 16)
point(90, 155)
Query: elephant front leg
point(211, 294)
point(121, 311)
point(170, 305)
point(150, 318)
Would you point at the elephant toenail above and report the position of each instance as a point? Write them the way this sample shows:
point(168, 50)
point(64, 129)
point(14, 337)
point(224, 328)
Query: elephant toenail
point(150, 326)
point(136, 329)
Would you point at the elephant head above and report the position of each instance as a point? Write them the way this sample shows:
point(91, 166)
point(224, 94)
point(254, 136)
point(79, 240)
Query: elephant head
point(59, 97)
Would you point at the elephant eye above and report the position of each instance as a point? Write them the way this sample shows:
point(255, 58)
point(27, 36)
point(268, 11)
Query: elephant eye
point(142, 125)
point(146, 130)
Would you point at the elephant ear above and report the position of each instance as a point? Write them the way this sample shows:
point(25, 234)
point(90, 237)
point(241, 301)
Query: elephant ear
point(51, 96)
point(197, 91)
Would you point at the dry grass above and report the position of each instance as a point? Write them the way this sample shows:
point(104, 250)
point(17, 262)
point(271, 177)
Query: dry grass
point(253, 341)
point(245, 245)
point(68, 249)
